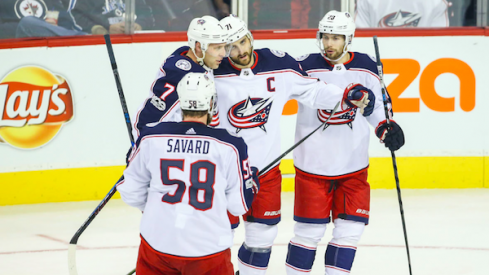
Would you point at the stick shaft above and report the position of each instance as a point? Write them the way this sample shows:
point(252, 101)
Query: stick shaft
point(394, 162)
point(122, 98)
point(299, 142)
point(74, 239)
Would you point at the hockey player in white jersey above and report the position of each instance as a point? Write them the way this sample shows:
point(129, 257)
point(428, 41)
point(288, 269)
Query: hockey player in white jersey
point(401, 13)
point(205, 51)
point(253, 86)
point(185, 176)
point(331, 167)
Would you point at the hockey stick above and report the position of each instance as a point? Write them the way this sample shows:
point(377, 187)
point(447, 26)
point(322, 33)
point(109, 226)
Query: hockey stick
point(299, 142)
point(74, 239)
point(386, 109)
point(288, 151)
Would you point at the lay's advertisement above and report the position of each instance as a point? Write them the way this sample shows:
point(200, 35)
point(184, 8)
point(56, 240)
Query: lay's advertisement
point(34, 106)
point(63, 135)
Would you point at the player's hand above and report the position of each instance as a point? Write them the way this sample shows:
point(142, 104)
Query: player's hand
point(256, 182)
point(392, 137)
point(356, 95)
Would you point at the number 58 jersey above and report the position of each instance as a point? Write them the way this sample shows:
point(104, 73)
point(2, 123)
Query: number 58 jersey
point(185, 177)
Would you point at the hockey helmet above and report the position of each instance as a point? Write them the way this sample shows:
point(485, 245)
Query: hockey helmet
point(236, 29)
point(335, 22)
point(205, 30)
point(197, 92)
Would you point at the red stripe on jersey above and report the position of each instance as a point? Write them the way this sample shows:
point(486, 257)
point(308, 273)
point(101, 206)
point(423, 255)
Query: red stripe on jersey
point(298, 269)
point(304, 246)
point(343, 246)
point(251, 266)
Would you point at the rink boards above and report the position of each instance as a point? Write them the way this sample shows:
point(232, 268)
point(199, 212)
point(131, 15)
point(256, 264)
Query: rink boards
point(75, 143)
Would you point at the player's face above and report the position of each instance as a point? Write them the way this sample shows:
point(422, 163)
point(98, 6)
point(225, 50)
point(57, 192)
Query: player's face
point(333, 45)
point(214, 55)
point(241, 51)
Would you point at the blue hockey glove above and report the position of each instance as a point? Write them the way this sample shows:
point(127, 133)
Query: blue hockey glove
point(393, 138)
point(356, 95)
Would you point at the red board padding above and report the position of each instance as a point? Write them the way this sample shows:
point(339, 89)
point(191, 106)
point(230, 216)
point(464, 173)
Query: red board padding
point(258, 34)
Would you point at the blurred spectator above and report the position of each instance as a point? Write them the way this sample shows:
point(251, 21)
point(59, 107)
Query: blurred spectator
point(401, 13)
point(36, 18)
point(222, 8)
point(300, 14)
point(175, 15)
point(269, 14)
point(107, 16)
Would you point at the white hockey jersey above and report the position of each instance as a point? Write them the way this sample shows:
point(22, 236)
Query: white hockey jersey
point(185, 177)
point(251, 100)
point(342, 148)
point(163, 103)
point(401, 13)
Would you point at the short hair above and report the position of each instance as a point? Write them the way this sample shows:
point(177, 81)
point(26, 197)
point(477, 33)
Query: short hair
point(188, 113)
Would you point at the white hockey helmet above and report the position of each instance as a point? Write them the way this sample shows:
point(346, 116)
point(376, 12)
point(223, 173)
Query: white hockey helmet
point(236, 29)
point(197, 92)
point(205, 30)
point(335, 22)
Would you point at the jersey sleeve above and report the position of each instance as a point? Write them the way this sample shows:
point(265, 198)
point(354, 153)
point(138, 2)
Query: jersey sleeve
point(311, 91)
point(134, 187)
point(362, 19)
point(239, 191)
point(440, 15)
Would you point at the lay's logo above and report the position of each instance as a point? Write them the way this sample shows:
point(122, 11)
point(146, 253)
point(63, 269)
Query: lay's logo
point(34, 104)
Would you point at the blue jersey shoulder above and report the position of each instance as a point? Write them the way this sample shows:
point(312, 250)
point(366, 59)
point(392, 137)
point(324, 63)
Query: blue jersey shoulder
point(363, 61)
point(266, 60)
point(274, 60)
point(313, 61)
point(177, 65)
point(194, 129)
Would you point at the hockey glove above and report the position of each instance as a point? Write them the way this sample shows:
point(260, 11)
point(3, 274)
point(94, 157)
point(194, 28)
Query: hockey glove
point(256, 182)
point(356, 95)
point(392, 137)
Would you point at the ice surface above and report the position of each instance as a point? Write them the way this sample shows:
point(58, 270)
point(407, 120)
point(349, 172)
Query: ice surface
point(448, 233)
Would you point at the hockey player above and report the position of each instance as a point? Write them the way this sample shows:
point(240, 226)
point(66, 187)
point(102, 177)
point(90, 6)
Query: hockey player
point(185, 176)
point(205, 51)
point(337, 180)
point(401, 14)
point(253, 86)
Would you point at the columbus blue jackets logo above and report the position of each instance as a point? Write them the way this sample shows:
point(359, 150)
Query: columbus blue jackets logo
point(35, 8)
point(400, 19)
point(250, 113)
point(339, 118)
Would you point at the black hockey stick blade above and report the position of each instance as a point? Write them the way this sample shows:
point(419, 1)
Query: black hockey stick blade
point(299, 142)
point(394, 162)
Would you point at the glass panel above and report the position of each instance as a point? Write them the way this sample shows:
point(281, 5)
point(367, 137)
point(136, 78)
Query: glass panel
point(36, 18)
point(175, 15)
point(415, 13)
point(40, 18)
point(288, 14)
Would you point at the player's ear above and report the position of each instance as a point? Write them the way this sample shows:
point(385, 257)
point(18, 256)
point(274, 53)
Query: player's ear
point(198, 49)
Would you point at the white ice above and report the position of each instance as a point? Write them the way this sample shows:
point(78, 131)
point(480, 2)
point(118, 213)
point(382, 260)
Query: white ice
point(448, 233)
